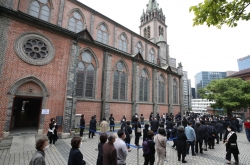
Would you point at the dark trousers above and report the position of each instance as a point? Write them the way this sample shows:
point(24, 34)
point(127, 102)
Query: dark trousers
point(179, 156)
point(90, 132)
point(220, 136)
point(52, 139)
point(236, 156)
point(137, 137)
point(147, 160)
point(198, 144)
point(111, 128)
point(247, 130)
point(175, 144)
point(81, 131)
point(191, 143)
point(211, 142)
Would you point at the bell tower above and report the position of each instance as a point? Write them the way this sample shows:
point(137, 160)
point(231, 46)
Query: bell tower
point(154, 29)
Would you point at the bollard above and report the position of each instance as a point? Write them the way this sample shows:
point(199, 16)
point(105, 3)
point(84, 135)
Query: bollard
point(138, 156)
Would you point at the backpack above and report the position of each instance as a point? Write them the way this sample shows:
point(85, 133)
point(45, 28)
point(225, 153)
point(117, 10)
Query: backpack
point(145, 147)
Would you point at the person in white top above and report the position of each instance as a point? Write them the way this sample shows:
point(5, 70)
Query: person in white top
point(160, 146)
point(121, 148)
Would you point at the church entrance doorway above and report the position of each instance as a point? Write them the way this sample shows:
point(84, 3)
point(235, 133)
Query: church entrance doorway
point(25, 114)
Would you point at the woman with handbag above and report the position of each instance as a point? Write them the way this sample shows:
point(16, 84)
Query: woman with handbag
point(230, 140)
point(160, 146)
point(137, 126)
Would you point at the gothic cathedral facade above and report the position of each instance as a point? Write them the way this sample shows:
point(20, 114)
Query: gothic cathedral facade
point(61, 58)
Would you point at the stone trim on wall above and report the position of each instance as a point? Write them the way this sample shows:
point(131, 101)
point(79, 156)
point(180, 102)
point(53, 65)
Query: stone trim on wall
point(23, 38)
point(60, 14)
point(92, 24)
point(12, 92)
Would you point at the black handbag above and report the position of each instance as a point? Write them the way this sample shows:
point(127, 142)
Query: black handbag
point(233, 145)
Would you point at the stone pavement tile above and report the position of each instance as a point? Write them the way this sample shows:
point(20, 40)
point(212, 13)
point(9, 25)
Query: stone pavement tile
point(29, 143)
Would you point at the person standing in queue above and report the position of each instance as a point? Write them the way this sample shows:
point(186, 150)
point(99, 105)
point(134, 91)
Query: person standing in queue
point(247, 128)
point(137, 127)
point(149, 158)
point(230, 140)
point(128, 132)
point(181, 144)
point(160, 146)
point(112, 122)
point(75, 155)
point(103, 140)
point(104, 125)
point(82, 125)
point(39, 157)
point(52, 133)
point(110, 154)
point(92, 126)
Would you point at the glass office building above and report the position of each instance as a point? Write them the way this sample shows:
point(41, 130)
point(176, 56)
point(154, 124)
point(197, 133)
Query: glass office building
point(202, 79)
point(244, 63)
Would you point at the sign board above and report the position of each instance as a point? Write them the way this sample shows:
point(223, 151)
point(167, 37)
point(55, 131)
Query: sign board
point(45, 111)
point(59, 120)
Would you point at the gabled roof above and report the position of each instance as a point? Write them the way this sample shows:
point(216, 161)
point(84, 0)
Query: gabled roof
point(138, 56)
point(240, 73)
point(85, 35)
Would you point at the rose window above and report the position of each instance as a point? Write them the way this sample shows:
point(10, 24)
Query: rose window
point(35, 49)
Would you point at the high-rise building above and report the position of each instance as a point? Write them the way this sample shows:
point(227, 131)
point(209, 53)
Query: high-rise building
point(193, 93)
point(244, 63)
point(186, 91)
point(200, 105)
point(203, 78)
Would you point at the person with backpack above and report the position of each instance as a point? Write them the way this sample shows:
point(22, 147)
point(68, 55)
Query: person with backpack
point(160, 146)
point(148, 147)
point(181, 144)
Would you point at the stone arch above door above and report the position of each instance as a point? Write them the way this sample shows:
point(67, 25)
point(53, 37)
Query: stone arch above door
point(28, 86)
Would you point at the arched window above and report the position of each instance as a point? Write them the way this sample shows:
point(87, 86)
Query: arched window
point(161, 89)
point(148, 32)
point(75, 22)
point(138, 48)
point(123, 43)
point(40, 9)
point(145, 32)
point(85, 76)
point(175, 92)
point(102, 34)
point(119, 82)
point(160, 30)
point(144, 85)
point(152, 56)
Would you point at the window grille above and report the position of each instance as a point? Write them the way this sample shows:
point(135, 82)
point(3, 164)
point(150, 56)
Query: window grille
point(102, 34)
point(122, 45)
point(75, 22)
point(119, 82)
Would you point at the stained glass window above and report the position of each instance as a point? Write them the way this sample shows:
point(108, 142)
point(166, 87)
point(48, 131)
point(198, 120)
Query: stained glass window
point(85, 79)
point(143, 89)
point(152, 56)
point(119, 82)
point(138, 48)
point(76, 22)
point(122, 44)
point(102, 34)
point(40, 9)
point(175, 92)
point(161, 89)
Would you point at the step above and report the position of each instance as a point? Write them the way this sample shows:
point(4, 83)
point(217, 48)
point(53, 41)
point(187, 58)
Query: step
point(4, 148)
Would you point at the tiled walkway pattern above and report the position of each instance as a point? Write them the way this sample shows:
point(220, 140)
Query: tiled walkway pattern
point(58, 155)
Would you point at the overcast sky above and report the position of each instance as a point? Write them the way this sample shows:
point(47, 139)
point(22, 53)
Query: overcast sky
point(199, 48)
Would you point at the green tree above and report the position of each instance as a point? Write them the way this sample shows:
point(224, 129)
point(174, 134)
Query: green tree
point(230, 94)
point(220, 12)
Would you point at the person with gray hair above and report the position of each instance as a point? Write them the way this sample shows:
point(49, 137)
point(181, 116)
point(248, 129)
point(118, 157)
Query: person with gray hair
point(110, 154)
point(181, 144)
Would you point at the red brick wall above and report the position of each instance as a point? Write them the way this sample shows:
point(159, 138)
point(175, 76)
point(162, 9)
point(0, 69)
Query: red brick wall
point(146, 110)
point(25, 87)
point(89, 109)
point(176, 109)
point(163, 109)
point(120, 109)
point(53, 75)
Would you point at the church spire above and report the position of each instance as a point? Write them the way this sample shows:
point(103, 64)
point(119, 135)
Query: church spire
point(152, 5)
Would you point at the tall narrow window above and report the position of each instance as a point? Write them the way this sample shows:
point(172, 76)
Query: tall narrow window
point(148, 32)
point(161, 89)
point(85, 78)
point(138, 48)
point(175, 92)
point(123, 43)
point(143, 90)
point(119, 82)
point(102, 34)
point(160, 30)
point(145, 33)
point(75, 22)
point(152, 56)
point(40, 9)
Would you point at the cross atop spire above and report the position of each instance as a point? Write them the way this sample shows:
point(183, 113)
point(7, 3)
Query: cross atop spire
point(152, 5)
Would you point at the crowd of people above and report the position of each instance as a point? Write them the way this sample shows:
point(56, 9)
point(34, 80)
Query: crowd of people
point(199, 133)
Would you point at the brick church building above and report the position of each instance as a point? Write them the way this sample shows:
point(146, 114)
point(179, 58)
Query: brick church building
point(61, 58)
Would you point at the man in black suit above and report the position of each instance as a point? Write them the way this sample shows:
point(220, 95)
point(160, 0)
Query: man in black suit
point(82, 125)
point(92, 126)
point(154, 125)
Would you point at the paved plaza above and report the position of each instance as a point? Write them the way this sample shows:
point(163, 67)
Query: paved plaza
point(58, 155)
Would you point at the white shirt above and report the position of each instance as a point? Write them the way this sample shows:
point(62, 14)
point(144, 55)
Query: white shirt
point(121, 150)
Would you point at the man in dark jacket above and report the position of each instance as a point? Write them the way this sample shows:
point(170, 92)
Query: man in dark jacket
point(82, 125)
point(199, 140)
point(111, 122)
point(203, 128)
point(151, 117)
point(150, 157)
point(154, 125)
point(169, 127)
point(211, 135)
point(220, 129)
point(110, 154)
point(92, 126)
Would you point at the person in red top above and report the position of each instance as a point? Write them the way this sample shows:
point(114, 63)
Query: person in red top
point(247, 128)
